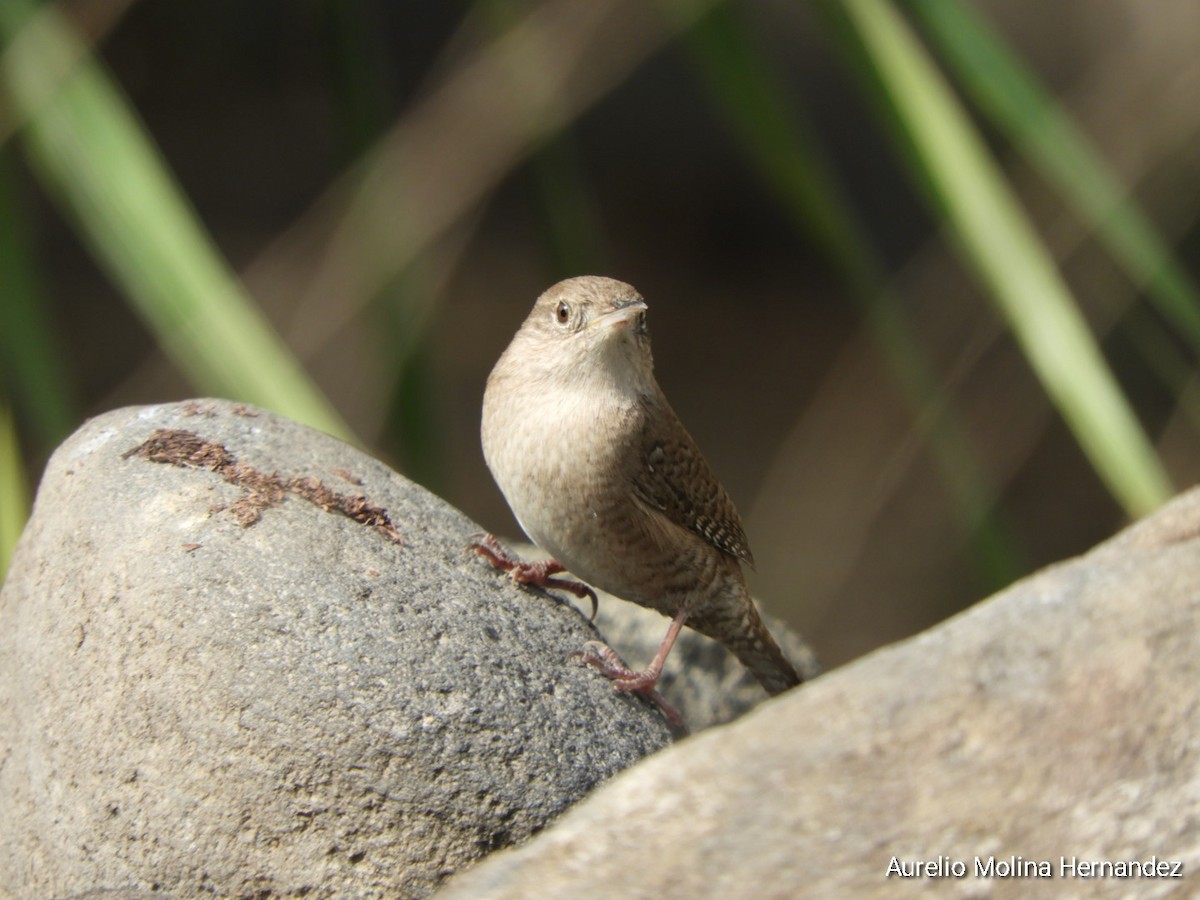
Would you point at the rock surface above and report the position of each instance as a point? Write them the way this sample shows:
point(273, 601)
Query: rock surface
point(1058, 721)
point(255, 661)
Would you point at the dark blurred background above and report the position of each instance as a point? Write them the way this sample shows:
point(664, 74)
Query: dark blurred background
point(267, 114)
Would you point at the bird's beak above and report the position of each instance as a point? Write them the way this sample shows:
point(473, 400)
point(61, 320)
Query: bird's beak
point(627, 313)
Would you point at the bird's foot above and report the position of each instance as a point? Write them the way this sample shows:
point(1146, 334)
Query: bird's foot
point(604, 658)
point(536, 573)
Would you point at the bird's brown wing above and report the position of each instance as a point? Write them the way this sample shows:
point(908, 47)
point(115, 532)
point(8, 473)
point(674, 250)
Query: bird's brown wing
point(674, 478)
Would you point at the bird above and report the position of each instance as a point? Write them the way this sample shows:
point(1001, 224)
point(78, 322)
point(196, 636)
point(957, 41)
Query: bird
point(602, 475)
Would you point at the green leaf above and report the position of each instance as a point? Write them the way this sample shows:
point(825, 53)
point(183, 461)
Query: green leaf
point(1035, 123)
point(14, 500)
point(996, 240)
point(97, 160)
point(31, 362)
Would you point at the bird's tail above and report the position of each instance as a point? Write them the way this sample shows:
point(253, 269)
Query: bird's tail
point(761, 655)
point(746, 636)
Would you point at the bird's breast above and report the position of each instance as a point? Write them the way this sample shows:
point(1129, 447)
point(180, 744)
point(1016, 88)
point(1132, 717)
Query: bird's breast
point(558, 460)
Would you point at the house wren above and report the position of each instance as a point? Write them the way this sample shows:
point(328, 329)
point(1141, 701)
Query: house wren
point(601, 474)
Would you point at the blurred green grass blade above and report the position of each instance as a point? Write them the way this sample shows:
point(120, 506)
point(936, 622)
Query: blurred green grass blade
point(14, 500)
point(1031, 119)
point(1034, 122)
point(788, 157)
point(31, 362)
point(999, 244)
point(96, 158)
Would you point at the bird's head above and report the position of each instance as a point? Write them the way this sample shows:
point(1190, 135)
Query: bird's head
point(589, 327)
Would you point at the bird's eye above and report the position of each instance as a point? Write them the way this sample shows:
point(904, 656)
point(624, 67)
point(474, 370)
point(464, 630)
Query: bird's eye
point(562, 313)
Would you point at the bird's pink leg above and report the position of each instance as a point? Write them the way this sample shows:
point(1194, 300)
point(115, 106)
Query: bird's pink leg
point(536, 573)
point(604, 658)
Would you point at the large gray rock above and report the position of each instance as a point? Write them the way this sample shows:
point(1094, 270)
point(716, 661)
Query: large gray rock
point(237, 677)
point(1057, 723)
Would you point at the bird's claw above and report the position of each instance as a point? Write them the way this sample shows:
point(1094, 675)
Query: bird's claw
point(536, 573)
point(602, 657)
